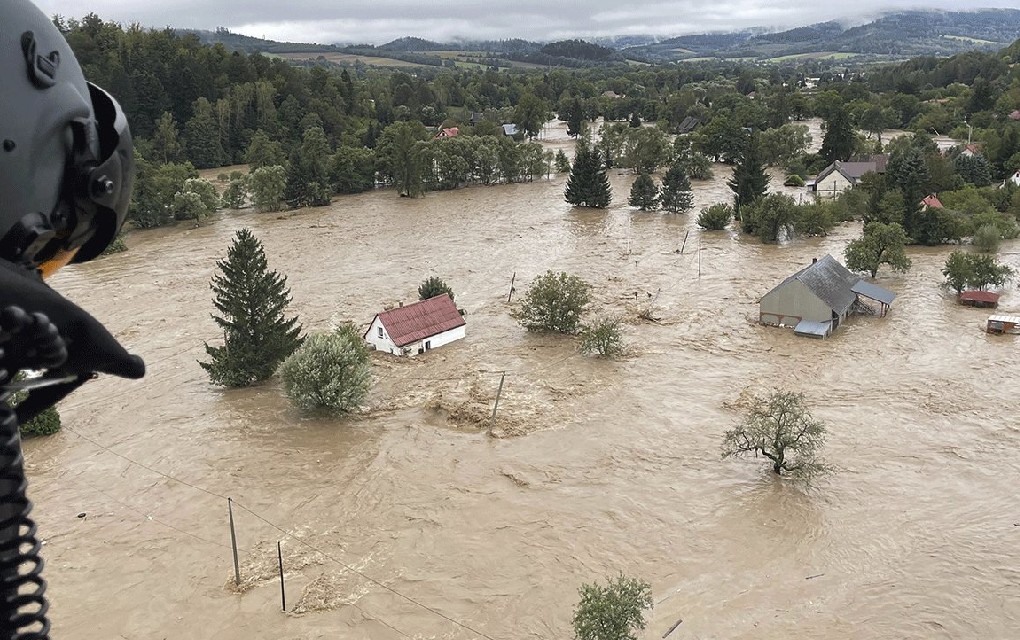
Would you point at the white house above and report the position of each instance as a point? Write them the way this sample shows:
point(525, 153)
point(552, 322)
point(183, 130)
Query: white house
point(1015, 179)
point(416, 328)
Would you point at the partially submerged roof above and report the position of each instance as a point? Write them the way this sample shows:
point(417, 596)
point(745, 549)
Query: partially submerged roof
point(873, 291)
point(421, 320)
point(854, 171)
point(813, 329)
point(979, 296)
point(829, 280)
point(688, 124)
point(1005, 319)
point(510, 129)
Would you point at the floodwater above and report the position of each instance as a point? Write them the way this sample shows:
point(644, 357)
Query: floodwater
point(594, 468)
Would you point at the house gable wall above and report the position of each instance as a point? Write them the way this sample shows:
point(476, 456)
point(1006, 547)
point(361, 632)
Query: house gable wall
point(832, 185)
point(790, 303)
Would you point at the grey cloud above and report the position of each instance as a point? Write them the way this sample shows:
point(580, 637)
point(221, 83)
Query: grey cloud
point(378, 21)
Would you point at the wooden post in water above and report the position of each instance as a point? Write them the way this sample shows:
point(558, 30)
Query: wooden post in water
point(511, 294)
point(495, 405)
point(699, 258)
point(283, 590)
point(233, 542)
point(685, 242)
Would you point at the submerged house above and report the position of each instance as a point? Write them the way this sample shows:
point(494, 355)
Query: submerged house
point(840, 176)
point(819, 297)
point(416, 328)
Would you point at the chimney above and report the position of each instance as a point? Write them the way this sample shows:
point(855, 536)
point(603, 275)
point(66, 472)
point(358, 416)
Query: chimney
point(401, 304)
point(814, 260)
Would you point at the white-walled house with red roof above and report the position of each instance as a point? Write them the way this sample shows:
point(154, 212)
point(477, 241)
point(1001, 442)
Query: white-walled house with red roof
point(416, 328)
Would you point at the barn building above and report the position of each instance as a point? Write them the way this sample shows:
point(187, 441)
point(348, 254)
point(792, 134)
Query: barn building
point(416, 328)
point(819, 297)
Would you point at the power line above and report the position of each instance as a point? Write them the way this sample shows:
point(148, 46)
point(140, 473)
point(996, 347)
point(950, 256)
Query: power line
point(293, 537)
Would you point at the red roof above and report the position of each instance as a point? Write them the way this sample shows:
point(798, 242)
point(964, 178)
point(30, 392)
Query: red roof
point(421, 320)
point(932, 202)
point(979, 296)
point(1015, 115)
point(452, 132)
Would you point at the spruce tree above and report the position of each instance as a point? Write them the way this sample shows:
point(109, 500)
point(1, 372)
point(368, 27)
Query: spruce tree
point(839, 140)
point(749, 181)
point(676, 190)
point(251, 301)
point(588, 185)
point(644, 193)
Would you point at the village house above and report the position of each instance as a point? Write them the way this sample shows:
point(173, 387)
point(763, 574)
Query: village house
point(971, 150)
point(1015, 179)
point(931, 201)
point(840, 176)
point(688, 124)
point(416, 328)
point(819, 297)
point(509, 129)
point(451, 132)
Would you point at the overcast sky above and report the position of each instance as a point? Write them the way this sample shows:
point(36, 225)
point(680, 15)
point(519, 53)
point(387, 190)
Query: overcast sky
point(379, 21)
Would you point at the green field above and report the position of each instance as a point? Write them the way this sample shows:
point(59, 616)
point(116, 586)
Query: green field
point(820, 55)
point(969, 39)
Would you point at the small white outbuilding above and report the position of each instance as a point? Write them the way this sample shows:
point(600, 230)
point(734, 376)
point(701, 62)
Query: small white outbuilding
point(416, 328)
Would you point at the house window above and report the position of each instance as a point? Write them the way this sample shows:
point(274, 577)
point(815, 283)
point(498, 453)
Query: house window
point(380, 332)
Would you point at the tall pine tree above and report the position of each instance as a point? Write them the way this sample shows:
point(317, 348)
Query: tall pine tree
point(840, 138)
point(676, 190)
point(644, 193)
point(588, 185)
point(251, 300)
point(749, 181)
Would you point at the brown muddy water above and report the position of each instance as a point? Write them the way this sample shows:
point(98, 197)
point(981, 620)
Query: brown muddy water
point(596, 468)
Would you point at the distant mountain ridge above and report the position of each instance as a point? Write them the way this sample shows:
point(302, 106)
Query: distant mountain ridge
point(905, 33)
point(901, 34)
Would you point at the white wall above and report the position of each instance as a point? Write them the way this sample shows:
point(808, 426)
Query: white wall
point(437, 340)
point(380, 343)
point(384, 343)
point(832, 185)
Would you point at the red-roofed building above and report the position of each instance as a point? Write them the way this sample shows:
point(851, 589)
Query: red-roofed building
point(987, 299)
point(931, 202)
point(971, 150)
point(417, 327)
point(452, 132)
point(1015, 115)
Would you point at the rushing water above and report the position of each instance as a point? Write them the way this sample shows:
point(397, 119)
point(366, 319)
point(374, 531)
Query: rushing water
point(596, 468)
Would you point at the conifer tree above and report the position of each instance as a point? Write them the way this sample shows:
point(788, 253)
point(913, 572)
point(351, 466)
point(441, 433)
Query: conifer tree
point(588, 185)
point(644, 193)
point(749, 181)
point(251, 301)
point(676, 194)
point(839, 140)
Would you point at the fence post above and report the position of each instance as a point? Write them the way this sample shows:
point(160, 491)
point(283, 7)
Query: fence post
point(283, 590)
point(495, 405)
point(233, 542)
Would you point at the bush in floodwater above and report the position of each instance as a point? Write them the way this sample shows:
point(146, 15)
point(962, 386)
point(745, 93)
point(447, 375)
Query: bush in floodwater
point(554, 302)
point(716, 217)
point(603, 337)
point(986, 238)
point(330, 372)
point(614, 611)
point(432, 287)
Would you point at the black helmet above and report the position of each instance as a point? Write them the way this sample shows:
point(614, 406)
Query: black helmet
point(66, 167)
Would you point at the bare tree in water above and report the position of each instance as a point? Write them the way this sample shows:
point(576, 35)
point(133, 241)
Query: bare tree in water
point(780, 428)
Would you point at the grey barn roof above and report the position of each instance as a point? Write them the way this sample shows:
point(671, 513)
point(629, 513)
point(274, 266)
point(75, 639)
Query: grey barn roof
point(830, 281)
point(873, 291)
